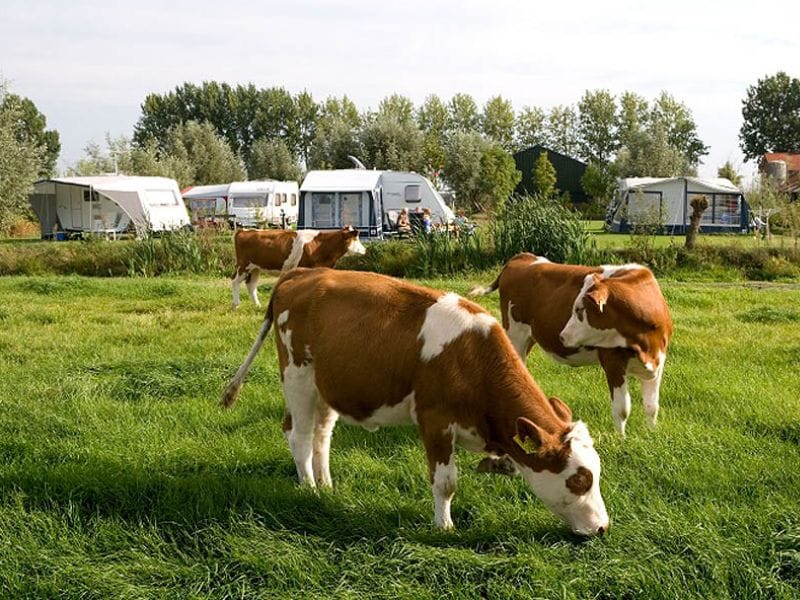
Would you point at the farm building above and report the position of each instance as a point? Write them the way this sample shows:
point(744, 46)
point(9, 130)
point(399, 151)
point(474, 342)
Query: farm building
point(568, 172)
point(106, 205)
point(667, 202)
point(784, 168)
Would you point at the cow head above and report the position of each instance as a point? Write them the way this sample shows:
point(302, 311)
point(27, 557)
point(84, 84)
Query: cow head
point(564, 472)
point(594, 317)
point(351, 241)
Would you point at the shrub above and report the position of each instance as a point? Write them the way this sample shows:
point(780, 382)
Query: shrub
point(538, 225)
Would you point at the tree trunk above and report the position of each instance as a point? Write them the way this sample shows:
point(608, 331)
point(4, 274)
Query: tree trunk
point(699, 205)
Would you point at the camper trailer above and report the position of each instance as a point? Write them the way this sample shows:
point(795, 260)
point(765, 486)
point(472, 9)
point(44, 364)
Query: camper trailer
point(107, 205)
point(666, 202)
point(370, 201)
point(245, 203)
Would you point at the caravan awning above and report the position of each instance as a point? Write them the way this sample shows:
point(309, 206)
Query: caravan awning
point(150, 202)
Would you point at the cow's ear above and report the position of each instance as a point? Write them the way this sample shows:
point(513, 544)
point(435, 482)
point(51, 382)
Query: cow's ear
point(562, 410)
point(599, 293)
point(530, 437)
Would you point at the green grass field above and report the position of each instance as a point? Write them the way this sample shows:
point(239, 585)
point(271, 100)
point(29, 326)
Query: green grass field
point(121, 476)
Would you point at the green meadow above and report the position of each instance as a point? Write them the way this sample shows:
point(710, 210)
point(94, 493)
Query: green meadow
point(121, 477)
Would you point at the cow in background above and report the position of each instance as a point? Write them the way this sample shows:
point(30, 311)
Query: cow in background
point(612, 315)
point(280, 250)
point(376, 351)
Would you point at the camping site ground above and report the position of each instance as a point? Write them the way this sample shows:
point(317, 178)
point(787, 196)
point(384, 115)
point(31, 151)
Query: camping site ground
point(122, 477)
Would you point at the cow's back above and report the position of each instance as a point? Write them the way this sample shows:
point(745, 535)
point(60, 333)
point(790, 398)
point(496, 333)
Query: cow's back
point(267, 249)
point(373, 341)
point(541, 294)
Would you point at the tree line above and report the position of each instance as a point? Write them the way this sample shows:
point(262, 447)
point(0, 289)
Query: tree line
point(213, 132)
point(217, 132)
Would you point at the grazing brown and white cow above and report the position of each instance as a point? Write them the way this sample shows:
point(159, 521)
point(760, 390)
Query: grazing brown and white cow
point(377, 351)
point(612, 315)
point(281, 250)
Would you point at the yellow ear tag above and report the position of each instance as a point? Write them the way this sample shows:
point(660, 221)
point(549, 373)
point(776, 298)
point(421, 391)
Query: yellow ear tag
point(528, 445)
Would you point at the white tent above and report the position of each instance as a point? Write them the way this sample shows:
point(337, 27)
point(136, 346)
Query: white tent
point(666, 201)
point(108, 204)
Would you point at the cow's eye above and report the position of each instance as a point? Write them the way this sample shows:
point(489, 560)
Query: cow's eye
point(579, 314)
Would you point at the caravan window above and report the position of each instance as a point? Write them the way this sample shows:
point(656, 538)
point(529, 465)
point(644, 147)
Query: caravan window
point(413, 193)
point(249, 201)
point(350, 209)
point(322, 205)
point(161, 198)
point(294, 199)
point(277, 200)
point(723, 209)
point(645, 207)
point(94, 197)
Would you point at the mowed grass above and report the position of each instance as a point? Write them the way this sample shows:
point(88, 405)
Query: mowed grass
point(121, 476)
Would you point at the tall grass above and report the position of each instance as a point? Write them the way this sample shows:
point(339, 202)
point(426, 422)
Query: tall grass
point(540, 226)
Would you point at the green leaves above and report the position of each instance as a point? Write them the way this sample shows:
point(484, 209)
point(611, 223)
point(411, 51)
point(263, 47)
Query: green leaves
point(771, 113)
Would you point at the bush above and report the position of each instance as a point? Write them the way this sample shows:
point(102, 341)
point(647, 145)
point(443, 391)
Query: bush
point(538, 225)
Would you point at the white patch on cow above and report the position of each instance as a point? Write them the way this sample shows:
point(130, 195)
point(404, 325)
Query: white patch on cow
point(282, 318)
point(577, 332)
point(356, 247)
point(585, 514)
point(286, 337)
point(519, 332)
point(650, 391)
point(402, 413)
point(300, 392)
point(325, 420)
point(620, 406)
point(445, 478)
point(303, 237)
point(610, 270)
point(467, 438)
point(539, 260)
point(445, 321)
point(581, 358)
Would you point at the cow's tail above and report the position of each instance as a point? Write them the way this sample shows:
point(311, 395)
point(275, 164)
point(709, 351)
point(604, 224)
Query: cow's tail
point(232, 391)
point(482, 291)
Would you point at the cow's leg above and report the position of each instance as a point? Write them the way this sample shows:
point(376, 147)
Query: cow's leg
point(650, 392)
point(615, 362)
point(301, 396)
point(238, 277)
point(440, 449)
point(520, 334)
point(325, 421)
point(252, 285)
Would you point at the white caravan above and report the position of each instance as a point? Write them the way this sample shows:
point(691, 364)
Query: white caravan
point(245, 203)
point(109, 204)
point(367, 200)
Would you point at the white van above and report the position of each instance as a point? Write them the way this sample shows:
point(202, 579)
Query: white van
point(370, 201)
point(245, 203)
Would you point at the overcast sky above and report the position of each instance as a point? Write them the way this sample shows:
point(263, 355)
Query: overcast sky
point(88, 65)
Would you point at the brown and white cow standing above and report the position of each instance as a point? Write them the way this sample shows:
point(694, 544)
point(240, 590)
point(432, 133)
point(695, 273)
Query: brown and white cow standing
point(377, 351)
point(281, 250)
point(612, 315)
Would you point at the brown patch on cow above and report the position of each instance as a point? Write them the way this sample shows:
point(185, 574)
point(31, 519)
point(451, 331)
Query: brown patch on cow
point(287, 423)
point(268, 249)
point(580, 482)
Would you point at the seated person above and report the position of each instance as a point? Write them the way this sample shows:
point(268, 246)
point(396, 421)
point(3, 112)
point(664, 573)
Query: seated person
point(403, 223)
point(427, 225)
